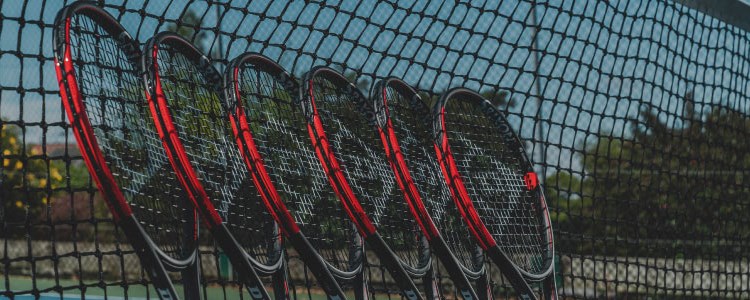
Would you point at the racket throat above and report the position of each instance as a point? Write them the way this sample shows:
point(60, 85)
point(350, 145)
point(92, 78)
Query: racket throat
point(454, 269)
point(317, 266)
point(511, 272)
point(391, 262)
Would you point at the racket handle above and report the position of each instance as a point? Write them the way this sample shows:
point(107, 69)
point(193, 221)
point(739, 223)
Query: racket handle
point(522, 288)
point(240, 261)
point(191, 275)
point(317, 266)
point(550, 286)
point(388, 259)
point(281, 281)
point(361, 285)
point(191, 279)
point(431, 286)
point(145, 249)
point(450, 262)
point(484, 287)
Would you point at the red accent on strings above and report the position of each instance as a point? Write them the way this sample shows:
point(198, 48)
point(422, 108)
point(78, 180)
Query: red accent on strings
point(531, 181)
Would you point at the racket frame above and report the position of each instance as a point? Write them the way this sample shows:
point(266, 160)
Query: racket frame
point(324, 272)
point(246, 266)
point(400, 271)
point(460, 274)
point(155, 262)
point(517, 276)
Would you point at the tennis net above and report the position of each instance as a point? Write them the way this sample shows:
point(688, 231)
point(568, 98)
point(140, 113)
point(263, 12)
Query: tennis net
point(634, 112)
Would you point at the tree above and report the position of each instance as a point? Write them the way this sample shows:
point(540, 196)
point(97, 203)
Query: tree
point(28, 182)
point(667, 184)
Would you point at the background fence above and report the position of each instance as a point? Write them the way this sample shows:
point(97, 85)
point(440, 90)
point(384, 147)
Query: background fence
point(635, 113)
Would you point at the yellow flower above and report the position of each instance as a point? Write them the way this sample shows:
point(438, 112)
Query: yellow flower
point(19, 204)
point(44, 200)
point(55, 174)
point(19, 165)
point(12, 140)
point(6, 162)
point(6, 152)
point(35, 151)
point(42, 182)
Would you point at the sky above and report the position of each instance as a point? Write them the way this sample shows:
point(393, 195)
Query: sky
point(600, 63)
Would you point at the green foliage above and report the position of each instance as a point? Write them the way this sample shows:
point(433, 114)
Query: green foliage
point(28, 181)
point(669, 185)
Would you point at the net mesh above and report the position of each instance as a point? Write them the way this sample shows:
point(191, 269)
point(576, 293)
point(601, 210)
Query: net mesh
point(280, 133)
point(412, 125)
point(634, 112)
point(200, 121)
point(113, 98)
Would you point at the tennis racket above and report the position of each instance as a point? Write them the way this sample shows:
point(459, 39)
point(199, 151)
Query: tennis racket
point(341, 126)
point(96, 62)
point(495, 188)
point(272, 137)
point(405, 126)
point(187, 104)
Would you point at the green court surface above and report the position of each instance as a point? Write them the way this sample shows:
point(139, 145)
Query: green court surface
point(23, 286)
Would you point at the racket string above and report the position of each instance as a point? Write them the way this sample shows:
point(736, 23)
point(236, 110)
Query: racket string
point(113, 97)
point(359, 150)
point(493, 176)
point(201, 124)
point(283, 142)
point(412, 129)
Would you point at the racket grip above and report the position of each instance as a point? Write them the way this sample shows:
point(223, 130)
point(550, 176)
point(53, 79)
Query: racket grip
point(145, 249)
point(550, 287)
point(281, 282)
point(317, 266)
point(191, 279)
point(240, 261)
point(431, 286)
point(484, 286)
point(522, 288)
point(397, 271)
point(450, 262)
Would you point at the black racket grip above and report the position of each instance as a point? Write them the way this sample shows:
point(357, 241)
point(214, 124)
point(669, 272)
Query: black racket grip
point(523, 290)
point(317, 266)
point(241, 263)
point(388, 259)
point(484, 287)
point(449, 261)
point(281, 282)
point(550, 287)
point(145, 249)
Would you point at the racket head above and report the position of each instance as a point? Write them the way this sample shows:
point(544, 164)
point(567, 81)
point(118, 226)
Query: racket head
point(97, 66)
point(341, 123)
point(188, 106)
point(273, 139)
point(492, 179)
point(404, 121)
